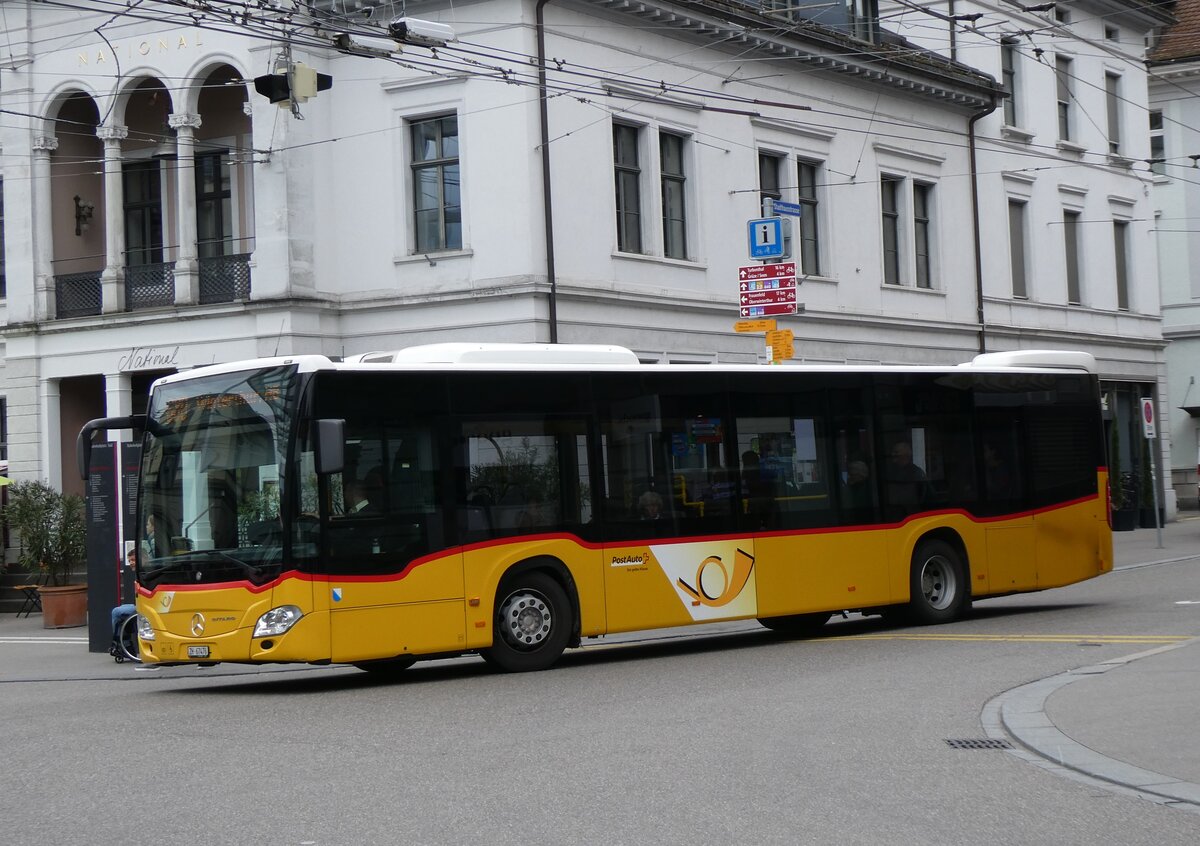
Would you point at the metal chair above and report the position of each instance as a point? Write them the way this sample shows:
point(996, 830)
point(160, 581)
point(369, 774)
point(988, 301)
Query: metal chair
point(32, 599)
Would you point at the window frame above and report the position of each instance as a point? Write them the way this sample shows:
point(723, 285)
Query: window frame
point(441, 165)
point(1018, 247)
point(1008, 77)
point(1071, 221)
point(1158, 142)
point(1112, 102)
point(1121, 250)
point(673, 196)
point(1063, 92)
point(890, 218)
point(627, 177)
point(808, 197)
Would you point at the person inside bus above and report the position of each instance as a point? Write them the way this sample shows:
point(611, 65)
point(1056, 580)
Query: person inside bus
point(907, 485)
point(998, 474)
point(758, 488)
point(650, 506)
point(857, 487)
point(356, 500)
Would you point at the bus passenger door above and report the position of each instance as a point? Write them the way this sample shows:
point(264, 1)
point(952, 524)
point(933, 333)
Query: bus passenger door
point(671, 507)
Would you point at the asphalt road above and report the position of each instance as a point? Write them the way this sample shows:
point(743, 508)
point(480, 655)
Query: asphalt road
point(726, 737)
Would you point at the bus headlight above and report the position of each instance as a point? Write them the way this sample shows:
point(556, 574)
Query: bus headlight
point(145, 630)
point(277, 621)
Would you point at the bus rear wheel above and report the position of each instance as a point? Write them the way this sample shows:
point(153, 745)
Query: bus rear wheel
point(938, 585)
point(797, 625)
point(532, 624)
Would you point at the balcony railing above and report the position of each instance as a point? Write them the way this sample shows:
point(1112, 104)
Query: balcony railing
point(149, 285)
point(77, 294)
point(224, 279)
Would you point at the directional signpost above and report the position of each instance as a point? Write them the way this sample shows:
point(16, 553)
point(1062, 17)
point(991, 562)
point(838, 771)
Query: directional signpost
point(765, 290)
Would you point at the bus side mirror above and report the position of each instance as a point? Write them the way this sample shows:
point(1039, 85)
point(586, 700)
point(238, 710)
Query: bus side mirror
point(83, 443)
point(330, 446)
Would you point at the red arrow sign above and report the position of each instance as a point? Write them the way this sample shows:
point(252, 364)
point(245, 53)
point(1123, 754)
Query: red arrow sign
point(767, 271)
point(767, 310)
point(772, 295)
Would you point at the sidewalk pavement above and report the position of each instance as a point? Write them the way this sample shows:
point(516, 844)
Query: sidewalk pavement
point(1128, 724)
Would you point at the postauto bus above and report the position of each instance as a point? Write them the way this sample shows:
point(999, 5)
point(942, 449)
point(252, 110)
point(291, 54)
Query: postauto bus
point(513, 500)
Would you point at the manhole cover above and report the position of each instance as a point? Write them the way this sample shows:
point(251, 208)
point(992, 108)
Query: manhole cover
point(979, 743)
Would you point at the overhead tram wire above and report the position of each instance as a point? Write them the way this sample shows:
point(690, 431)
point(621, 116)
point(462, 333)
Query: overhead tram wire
point(510, 75)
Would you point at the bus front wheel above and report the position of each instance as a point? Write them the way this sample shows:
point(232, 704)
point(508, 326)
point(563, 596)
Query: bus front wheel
point(938, 584)
point(533, 624)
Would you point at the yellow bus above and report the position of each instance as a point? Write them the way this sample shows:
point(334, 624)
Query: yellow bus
point(513, 500)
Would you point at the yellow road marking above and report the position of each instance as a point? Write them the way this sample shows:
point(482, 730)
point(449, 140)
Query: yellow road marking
point(1065, 638)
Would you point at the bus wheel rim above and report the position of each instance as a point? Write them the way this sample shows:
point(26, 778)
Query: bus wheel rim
point(526, 619)
point(938, 582)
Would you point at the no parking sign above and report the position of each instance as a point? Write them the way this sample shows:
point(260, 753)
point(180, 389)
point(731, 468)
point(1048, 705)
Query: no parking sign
point(1149, 430)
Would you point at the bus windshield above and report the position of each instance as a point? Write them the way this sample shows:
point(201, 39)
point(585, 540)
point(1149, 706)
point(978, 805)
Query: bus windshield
point(212, 478)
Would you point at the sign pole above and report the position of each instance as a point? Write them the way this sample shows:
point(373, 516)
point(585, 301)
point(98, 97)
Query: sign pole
point(1150, 432)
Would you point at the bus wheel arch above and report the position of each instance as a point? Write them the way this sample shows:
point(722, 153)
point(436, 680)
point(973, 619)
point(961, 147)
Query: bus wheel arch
point(939, 578)
point(535, 616)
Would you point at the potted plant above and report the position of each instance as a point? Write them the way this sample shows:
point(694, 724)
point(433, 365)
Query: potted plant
point(52, 535)
point(1123, 519)
point(1146, 490)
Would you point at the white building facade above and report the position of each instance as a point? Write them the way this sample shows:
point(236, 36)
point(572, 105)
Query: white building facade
point(1067, 213)
point(162, 215)
point(1175, 134)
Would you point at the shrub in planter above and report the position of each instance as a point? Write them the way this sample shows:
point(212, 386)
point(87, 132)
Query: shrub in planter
point(51, 529)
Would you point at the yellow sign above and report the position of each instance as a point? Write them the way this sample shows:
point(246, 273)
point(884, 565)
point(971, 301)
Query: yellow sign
point(779, 342)
point(754, 326)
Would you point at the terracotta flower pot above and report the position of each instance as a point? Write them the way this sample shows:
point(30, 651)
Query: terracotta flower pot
point(64, 606)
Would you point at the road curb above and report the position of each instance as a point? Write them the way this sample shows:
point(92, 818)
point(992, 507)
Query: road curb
point(1019, 715)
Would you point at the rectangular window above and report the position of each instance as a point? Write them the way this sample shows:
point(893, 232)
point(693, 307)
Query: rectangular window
point(1071, 246)
point(1016, 247)
point(143, 213)
point(1121, 245)
point(922, 203)
point(1008, 77)
point(810, 251)
point(1158, 149)
point(3, 429)
point(437, 187)
point(1112, 99)
point(769, 177)
point(214, 205)
point(628, 184)
point(674, 195)
point(1062, 70)
point(889, 191)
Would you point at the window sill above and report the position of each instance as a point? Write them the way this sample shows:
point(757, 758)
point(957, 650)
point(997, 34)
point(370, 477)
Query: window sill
point(1013, 133)
point(433, 258)
point(1071, 148)
point(1117, 160)
point(687, 263)
point(905, 286)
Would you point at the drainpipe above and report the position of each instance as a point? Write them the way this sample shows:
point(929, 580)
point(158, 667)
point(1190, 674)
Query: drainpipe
point(547, 199)
point(975, 118)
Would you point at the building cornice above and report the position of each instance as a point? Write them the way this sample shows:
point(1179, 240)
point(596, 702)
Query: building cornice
point(728, 24)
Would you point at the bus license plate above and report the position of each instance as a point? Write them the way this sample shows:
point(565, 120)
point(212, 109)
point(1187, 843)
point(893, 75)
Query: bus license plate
point(197, 651)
